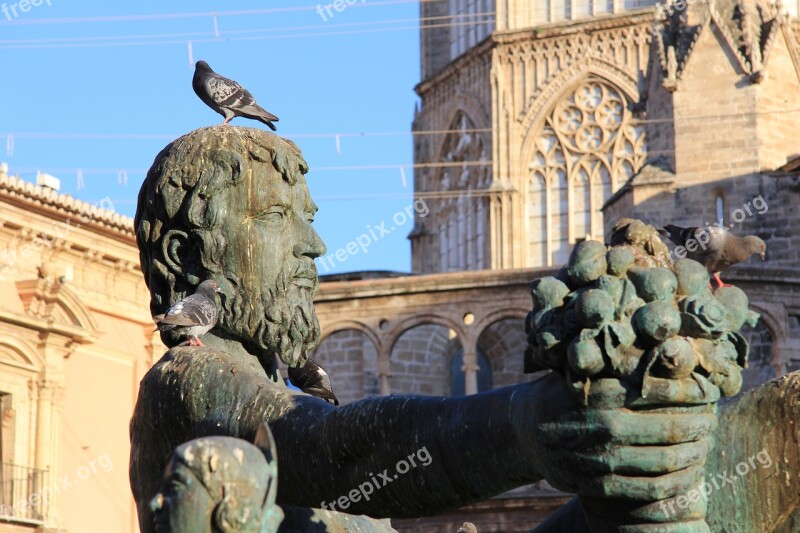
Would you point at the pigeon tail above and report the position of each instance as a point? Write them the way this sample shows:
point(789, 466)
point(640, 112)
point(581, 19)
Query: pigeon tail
point(267, 122)
point(677, 234)
point(262, 115)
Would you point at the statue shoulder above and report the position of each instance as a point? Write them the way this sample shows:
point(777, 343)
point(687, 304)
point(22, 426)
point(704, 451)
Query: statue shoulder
point(183, 366)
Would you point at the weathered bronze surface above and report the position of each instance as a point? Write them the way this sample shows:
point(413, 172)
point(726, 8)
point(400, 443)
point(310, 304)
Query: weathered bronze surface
point(231, 204)
point(219, 484)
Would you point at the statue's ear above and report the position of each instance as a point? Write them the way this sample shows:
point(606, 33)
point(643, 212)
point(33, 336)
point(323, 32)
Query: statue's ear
point(177, 254)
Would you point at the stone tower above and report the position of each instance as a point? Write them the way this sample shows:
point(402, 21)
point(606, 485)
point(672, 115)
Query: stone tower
point(533, 114)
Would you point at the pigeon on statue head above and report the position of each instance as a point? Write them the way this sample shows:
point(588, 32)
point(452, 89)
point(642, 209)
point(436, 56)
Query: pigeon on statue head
point(227, 97)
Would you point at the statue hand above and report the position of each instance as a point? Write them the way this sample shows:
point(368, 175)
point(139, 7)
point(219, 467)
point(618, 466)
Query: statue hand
point(621, 452)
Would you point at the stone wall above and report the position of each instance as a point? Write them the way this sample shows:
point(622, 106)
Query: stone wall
point(349, 357)
point(420, 361)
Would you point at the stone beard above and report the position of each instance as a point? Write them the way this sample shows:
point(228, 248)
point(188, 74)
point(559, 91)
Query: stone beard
point(280, 320)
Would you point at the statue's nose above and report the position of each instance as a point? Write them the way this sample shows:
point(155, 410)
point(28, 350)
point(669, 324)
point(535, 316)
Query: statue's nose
point(311, 245)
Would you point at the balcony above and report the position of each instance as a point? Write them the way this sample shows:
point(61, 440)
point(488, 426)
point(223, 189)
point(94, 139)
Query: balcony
point(24, 494)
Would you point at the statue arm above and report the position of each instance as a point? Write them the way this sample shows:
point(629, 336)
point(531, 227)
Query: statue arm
point(455, 450)
point(464, 449)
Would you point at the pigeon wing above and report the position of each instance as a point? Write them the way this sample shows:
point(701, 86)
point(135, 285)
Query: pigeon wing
point(196, 310)
point(256, 110)
point(710, 246)
point(228, 93)
point(314, 381)
point(324, 394)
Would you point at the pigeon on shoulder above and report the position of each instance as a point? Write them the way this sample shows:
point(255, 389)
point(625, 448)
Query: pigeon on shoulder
point(227, 97)
point(312, 379)
point(193, 316)
point(715, 247)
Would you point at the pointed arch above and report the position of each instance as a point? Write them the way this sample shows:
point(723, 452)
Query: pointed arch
point(586, 145)
point(466, 154)
point(548, 96)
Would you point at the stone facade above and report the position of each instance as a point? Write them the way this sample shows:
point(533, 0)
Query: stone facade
point(570, 116)
point(565, 117)
point(75, 339)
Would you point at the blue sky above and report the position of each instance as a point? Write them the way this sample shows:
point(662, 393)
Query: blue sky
point(108, 109)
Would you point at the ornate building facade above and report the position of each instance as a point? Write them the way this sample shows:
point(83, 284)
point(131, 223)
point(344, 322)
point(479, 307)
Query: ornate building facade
point(540, 123)
point(75, 339)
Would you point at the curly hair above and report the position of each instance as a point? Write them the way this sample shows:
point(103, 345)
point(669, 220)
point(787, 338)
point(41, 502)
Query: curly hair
point(187, 189)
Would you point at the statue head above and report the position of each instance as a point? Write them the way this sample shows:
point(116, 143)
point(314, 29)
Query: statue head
point(219, 485)
point(231, 204)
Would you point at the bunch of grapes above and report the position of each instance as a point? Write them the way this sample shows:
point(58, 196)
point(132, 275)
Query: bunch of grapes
point(624, 312)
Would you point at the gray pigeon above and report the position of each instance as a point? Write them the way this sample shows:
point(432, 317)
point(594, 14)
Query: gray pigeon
point(312, 379)
point(193, 316)
point(715, 247)
point(227, 97)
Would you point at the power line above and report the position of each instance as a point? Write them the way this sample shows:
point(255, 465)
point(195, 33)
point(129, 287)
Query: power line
point(166, 136)
point(323, 33)
point(201, 14)
point(331, 135)
point(427, 195)
point(218, 35)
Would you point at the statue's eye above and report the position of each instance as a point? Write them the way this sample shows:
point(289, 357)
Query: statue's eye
point(274, 214)
point(176, 486)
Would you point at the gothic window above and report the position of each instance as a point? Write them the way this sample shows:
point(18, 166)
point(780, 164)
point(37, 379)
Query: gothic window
point(537, 219)
point(587, 148)
point(583, 205)
point(720, 205)
point(458, 215)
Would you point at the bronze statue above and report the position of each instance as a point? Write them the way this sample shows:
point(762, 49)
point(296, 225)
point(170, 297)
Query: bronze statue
point(219, 484)
point(231, 204)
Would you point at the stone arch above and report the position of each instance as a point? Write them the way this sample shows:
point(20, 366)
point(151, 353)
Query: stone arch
point(547, 96)
point(340, 325)
point(584, 135)
point(765, 340)
point(420, 358)
point(504, 341)
point(76, 310)
point(419, 320)
point(16, 351)
point(350, 356)
point(466, 104)
point(499, 314)
point(459, 223)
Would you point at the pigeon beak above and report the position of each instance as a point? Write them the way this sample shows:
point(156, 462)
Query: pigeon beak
point(763, 255)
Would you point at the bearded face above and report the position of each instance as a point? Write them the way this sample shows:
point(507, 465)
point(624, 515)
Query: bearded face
point(278, 320)
point(259, 246)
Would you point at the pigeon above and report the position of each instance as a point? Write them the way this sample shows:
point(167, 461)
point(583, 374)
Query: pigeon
point(312, 379)
point(227, 97)
point(715, 247)
point(193, 316)
point(468, 527)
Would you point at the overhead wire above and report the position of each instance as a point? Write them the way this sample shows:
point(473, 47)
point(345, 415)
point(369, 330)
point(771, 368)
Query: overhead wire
point(234, 39)
point(333, 135)
point(197, 14)
point(57, 42)
point(218, 34)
